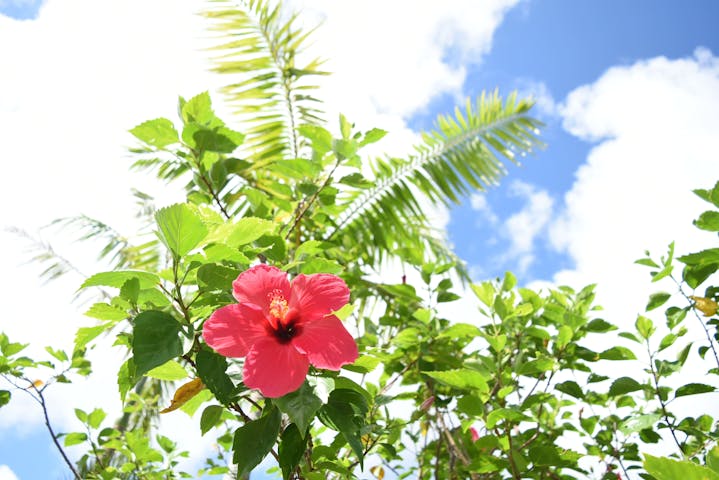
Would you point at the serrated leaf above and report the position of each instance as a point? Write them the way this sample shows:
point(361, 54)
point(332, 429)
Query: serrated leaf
point(170, 371)
point(708, 221)
point(638, 423)
point(670, 469)
point(301, 406)
point(464, 379)
point(95, 418)
point(254, 440)
point(211, 368)
point(85, 335)
point(570, 387)
point(155, 340)
point(118, 278)
point(180, 228)
point(159, 132)
point(105, 311)
point(216, 277)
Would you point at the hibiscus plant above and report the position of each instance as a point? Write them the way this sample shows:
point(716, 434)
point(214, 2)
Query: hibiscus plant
point(296, 305)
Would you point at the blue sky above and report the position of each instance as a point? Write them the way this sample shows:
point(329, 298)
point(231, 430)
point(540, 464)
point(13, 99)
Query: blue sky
point(552, 49)
point(563, 44)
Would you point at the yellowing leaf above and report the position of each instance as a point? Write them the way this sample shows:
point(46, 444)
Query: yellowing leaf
point(377, 471)
point(185, 393)
point(707, 306)
point(38, 383)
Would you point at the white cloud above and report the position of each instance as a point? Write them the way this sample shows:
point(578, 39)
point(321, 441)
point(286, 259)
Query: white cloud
point(478, 202)
point(83, 73)
point(522, 228)
point(539, 91)
point(6, 473)
point(656, 125)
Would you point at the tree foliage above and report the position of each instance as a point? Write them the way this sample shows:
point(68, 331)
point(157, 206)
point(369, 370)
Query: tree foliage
point(515, 389)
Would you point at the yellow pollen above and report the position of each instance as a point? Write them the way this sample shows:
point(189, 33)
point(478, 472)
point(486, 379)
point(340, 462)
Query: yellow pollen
point(278, 304)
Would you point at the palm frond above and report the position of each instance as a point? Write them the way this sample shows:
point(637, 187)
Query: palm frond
point(270, 94)
point(465, 152)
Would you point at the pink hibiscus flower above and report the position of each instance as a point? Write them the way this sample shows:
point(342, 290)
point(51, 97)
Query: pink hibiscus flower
point(281, 328)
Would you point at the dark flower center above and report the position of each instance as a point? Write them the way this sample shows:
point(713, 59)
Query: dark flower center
point(285, 333)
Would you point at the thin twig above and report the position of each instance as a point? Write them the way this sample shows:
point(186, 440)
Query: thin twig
point(41, 401)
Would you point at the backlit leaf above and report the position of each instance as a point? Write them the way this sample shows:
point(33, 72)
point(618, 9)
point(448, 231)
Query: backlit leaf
point(180, 228)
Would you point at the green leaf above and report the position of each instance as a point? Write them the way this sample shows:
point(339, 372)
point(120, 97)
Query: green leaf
point(118, 278)
point(246, 230)
point(321, 139)
point(155, 340)
point(708, 221)
point(75, 438)
point(509, 282)
point(254, 440)
point(180, 228)
point(170, 371)
point(570, 387)
point(95, 418)
point(538, 365)
point(292, 447)
point(667, 341)
point(693, 389)
point(639, 423)
point(159, 132)
point(545, 455)
point(85, 335)
point(321, 265)
point(459, 331)
point(484, 292)
point(344, 412)
point(198, 110)
point(644, 326)
point(623, 385)
point(210, 416)
point(695, 275)
point(4, 397)
point(599, 325)
point(345, 127)
point(211, 368)
point(126, 377)
point(710, 255)
point(216, 277)
point(509, 414)
point(657, 300)
point(712, 459)
point(301, 406)
point(374, 135)
point(670, 469)
point(464, 379)
point(130, 290)
point(617, 353)
point(105, 311)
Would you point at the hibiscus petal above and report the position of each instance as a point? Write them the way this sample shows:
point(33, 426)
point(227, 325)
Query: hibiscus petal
point(327, 343)
point(274, 369)
point(317, 295)
point(256, 284)
point(233, 329)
